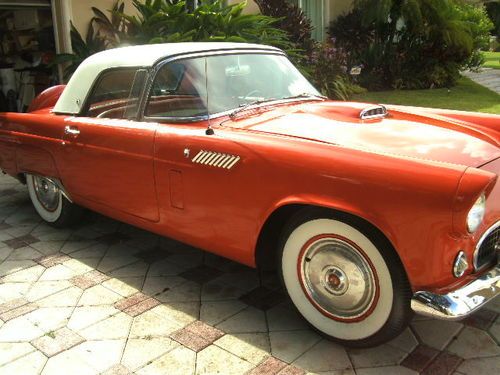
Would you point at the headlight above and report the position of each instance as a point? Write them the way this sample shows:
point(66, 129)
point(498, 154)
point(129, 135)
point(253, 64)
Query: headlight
point(476, 214)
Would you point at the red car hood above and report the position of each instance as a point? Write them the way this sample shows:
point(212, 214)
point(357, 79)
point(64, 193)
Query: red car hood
point(402, 133)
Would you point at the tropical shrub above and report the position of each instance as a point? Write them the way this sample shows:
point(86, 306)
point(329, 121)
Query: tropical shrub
point(292, 19)
point(112, 29)
point(329, 71)
point(324, 64)
point(480, 27)
point(410, 44)
point(160, 21)
point(170, 21)
point(493, 9)
point(82, 48)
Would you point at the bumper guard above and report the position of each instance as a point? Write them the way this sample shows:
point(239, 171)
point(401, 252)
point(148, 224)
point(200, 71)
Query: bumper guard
point(461, 302)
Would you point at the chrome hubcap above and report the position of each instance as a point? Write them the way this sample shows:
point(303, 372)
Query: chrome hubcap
point(335, 281)
point(47, 193)
point(337, 278)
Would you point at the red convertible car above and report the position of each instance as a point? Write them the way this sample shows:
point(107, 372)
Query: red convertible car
point(371, 213)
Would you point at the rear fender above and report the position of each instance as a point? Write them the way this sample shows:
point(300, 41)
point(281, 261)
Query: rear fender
point(47, 98)
point(35, 160)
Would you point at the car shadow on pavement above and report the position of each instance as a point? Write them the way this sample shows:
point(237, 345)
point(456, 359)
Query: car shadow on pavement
point(118, 298)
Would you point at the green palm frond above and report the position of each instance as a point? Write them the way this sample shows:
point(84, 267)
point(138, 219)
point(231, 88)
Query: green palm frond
point(171, 21)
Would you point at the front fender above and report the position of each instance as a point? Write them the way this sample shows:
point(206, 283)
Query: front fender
point(484, 123)
point(337, 204)
point(417, 223)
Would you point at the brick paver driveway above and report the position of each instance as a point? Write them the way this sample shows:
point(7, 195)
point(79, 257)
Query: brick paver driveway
point(108, 298)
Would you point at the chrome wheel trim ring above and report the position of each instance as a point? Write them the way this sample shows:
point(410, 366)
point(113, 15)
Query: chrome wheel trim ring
point(355, 329)
point(47, 193)
point(337, 278)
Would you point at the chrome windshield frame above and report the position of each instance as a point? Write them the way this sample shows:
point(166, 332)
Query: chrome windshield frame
point(205, 117)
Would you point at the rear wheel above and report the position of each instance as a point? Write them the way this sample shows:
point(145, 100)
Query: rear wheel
point(344, 280)
point(50, 203)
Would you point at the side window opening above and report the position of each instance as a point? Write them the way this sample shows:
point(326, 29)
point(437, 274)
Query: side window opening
point(117, 94)
point(179, 90)
point(168, 80)
point(132, 106)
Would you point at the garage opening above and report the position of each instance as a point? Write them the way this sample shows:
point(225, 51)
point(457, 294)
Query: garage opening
point(27, 50)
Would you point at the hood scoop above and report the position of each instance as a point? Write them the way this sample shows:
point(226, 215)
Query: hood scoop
point(374, 112)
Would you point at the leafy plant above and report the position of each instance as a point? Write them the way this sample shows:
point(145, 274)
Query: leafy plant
point(480, 26)
point(82, 48)
point(160, 21)
point(409, 43)
point(329, 71)
point(112, 29)
point(171, 21)
point(325, 64)
point(155, 20)
point(493, 9)
point(292, 19)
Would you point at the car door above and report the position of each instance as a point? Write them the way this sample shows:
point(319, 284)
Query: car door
point(107, 154)
point(195, 169)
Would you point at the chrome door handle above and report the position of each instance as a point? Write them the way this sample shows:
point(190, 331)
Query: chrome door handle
point(71, 130)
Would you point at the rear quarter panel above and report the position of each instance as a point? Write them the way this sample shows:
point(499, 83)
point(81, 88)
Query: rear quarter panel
point(29, 142)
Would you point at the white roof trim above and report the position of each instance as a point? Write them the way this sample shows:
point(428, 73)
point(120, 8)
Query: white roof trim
point(76, 90)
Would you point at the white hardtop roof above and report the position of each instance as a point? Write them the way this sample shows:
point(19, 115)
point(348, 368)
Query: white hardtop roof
point(73, 96)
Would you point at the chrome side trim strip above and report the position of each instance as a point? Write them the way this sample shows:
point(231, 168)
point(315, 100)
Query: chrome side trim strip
point(216, 159)
point(236, 159)
point(207, 158)
point(204, 158)
point(198, 155)
point(228, 161)
point(461, 302)
point(221, 161)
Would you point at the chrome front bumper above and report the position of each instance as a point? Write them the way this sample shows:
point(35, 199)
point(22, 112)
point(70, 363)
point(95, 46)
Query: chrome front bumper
point(461, 302)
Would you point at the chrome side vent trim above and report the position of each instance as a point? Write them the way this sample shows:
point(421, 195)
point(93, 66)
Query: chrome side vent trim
point(378, 111)
point(216, 159)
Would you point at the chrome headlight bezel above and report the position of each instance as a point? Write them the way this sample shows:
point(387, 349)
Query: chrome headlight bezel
point(475, 216)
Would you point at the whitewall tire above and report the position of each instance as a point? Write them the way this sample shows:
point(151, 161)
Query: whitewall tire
point(343, 280)
point(50, 203)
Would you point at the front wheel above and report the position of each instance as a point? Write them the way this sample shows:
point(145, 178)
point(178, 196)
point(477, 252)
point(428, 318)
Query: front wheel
point(344, 280)
point(50, 203)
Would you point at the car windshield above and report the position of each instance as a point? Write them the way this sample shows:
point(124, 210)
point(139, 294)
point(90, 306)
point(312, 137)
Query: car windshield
point(215, 84)
point(237, 80)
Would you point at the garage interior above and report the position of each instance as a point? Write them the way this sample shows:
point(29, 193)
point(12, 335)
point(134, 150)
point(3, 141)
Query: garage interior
point(27, 51)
